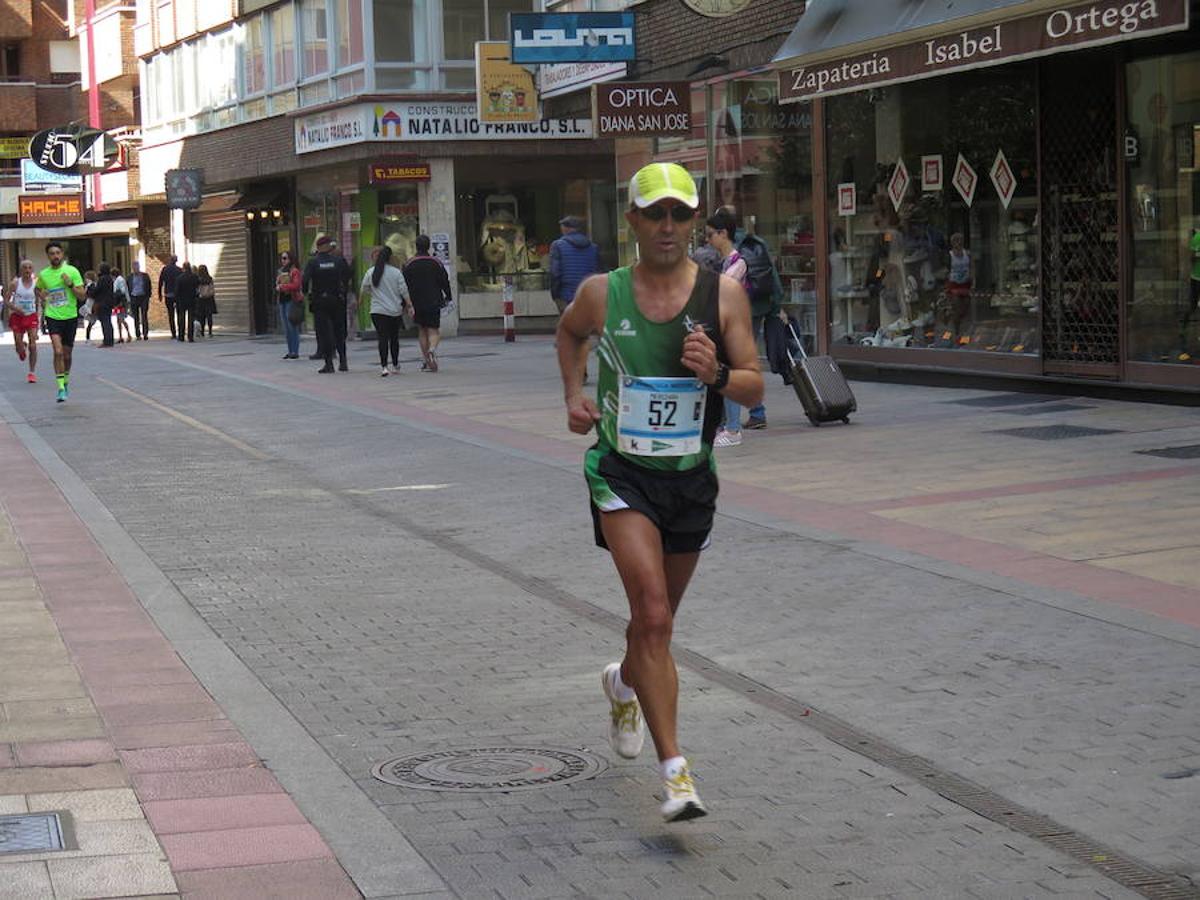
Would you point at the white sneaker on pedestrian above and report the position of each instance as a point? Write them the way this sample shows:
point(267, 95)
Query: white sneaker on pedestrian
point(383, 371)
point(394, 369)
point(626, 730)
point(727, 438)
point(680, 800)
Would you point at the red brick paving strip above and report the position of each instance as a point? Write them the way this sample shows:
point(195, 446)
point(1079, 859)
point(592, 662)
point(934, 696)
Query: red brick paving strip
point(188, 765)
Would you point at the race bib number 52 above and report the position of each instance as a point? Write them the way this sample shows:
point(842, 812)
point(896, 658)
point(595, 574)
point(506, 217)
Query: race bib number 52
point(660, 416)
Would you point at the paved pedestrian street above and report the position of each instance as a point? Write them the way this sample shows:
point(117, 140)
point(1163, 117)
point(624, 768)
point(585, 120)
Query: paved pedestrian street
point(951, 650)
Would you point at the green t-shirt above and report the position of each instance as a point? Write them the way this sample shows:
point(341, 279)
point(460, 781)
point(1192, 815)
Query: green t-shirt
point(1195, 245)
point(633, 345)
point(61, 302)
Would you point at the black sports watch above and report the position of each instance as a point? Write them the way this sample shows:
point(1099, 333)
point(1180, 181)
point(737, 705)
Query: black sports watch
point(722, 378)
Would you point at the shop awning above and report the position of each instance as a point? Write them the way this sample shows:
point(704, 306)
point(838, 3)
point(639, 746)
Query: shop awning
point(840, 46)
point(263, 195)
point(119, 227)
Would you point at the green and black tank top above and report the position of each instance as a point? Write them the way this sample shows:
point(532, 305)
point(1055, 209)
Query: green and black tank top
point(631, 344)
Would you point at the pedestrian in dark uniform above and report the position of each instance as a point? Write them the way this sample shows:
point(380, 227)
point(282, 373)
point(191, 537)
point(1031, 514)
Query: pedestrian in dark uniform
point(167, 279)
point(187, 290)
point(326, 281)
point(428, 292)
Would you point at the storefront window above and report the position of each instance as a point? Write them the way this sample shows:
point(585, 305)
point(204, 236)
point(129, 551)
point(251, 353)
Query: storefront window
point(315, 34)
point(399, 221)
point(283, 45)
point(762, 173)
point(915, 261)
point(1163, 148)
point(349, 20)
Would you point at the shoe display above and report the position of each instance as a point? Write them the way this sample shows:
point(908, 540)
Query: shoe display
point(754, 423)
point(31, 378)
point(727, 438)
point(626, 729)
point(680, 800)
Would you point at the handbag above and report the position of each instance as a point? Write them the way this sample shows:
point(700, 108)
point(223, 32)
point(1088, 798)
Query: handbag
point(206, 291)
point(295, 312)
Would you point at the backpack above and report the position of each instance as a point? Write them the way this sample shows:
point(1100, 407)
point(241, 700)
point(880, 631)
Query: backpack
point(760, 271)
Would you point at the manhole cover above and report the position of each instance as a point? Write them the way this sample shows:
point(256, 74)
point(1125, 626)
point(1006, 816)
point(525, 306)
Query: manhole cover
point(1045, 408)
point(34, 833)
point(1007, 400)
point(489, 769)
point(1055, 432)
point(1188, 451)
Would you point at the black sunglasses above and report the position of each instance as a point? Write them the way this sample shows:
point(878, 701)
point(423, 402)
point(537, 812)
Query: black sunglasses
point(656, 213)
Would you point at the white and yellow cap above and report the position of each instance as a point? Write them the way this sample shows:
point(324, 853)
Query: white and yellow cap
point(663, 181)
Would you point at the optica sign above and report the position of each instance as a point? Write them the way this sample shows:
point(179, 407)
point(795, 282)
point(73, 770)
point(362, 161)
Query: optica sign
point(642, 108)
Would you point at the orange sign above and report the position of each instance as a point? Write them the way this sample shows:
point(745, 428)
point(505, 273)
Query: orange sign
point(386, 173)
point(49, 209)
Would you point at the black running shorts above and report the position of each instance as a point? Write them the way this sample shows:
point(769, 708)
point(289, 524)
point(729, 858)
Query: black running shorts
point(680, 504)
point(64, 328)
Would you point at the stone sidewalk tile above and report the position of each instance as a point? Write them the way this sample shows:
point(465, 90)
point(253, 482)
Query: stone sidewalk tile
point(317, 879)
point(39, 779)
point(25, 881)
point(235, 848)
point(129, 875)
point(222, 813)
point(66, 753)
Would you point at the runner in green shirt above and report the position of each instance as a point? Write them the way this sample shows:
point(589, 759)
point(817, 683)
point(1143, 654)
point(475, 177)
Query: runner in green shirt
point(673, 339)
point(60, 288)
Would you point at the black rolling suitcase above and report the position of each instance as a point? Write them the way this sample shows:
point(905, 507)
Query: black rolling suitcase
point(819, 383)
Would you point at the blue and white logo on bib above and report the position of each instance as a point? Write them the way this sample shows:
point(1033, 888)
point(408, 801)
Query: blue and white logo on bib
point(660, 416)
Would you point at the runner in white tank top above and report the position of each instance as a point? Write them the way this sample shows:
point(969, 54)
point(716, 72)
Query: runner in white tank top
point(22, 305)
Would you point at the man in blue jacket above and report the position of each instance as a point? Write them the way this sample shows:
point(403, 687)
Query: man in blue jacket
point(573, 257)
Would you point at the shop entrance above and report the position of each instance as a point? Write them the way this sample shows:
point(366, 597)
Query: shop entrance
point(1081, 318)
point(266, 243)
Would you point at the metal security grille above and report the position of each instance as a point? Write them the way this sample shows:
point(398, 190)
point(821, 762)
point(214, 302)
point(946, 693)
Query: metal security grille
point(1080, 267)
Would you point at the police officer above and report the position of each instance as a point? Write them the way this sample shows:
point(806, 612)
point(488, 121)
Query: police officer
point(326, 281)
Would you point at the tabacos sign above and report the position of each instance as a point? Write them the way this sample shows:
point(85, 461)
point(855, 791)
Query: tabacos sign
point(641, 108)
point(1069, 27)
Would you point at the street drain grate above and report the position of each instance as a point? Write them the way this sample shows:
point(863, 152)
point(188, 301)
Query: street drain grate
point(1055, 432)
point(1187, 451)
point(1045, 408)
point(478, 770)
point(36, 832)
point(1007, 400)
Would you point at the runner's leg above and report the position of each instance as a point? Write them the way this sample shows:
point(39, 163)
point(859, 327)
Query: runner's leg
point(636, 548)
point(19, 345)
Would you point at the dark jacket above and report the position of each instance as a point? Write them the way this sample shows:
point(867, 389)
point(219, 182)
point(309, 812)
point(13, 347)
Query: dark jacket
point(102, 295)
point(139, 284)
point(428, 283)
point(573, 257)
point(326, 278)
point(168, 278)
point(185, 289)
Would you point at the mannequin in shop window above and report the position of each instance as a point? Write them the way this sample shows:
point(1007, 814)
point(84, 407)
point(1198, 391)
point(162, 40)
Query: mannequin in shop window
point(959, 279)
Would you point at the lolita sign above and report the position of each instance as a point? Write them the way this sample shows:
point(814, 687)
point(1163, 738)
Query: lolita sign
point(1068, 27)
point(642, 108)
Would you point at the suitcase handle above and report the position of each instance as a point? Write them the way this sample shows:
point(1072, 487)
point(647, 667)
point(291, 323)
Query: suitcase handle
point(799, 343)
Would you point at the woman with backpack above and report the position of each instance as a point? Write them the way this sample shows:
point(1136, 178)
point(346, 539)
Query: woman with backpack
point(206, 299)
point(721, 227)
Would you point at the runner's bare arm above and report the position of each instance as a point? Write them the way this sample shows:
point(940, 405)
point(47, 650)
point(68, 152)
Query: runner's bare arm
point(700, 353)
point(579, 321)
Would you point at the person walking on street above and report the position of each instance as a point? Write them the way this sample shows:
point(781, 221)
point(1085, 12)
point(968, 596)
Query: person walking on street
point(720, 229)
point(187, 288)
point(389, 299)
point(206, 299)
point(60, 288)
point(326, 279)
point(139, 301)
point(103, 302)
point(22, 303)
point(167, 280)
point(573, 257)
point(674, 339)
point(429, 292)
point(288, 292)
point(121, 306)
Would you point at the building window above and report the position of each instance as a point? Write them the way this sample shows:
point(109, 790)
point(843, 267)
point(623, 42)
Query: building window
point(283, 45)
point(463, 23)
point(254, 69)
point(400, 28)
point(349, 18)
point(314, 32)
point(10, 62)
point(498, 11)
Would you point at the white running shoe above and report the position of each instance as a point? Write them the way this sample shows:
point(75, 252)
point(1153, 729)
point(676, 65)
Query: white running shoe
point(680, 800)
point(383, 371)
point(626, 730)
point(727, 438)
point(395, 370)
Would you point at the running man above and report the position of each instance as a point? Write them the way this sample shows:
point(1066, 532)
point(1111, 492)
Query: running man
point(675, 339)
point(22, 306)
point(60, 288)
